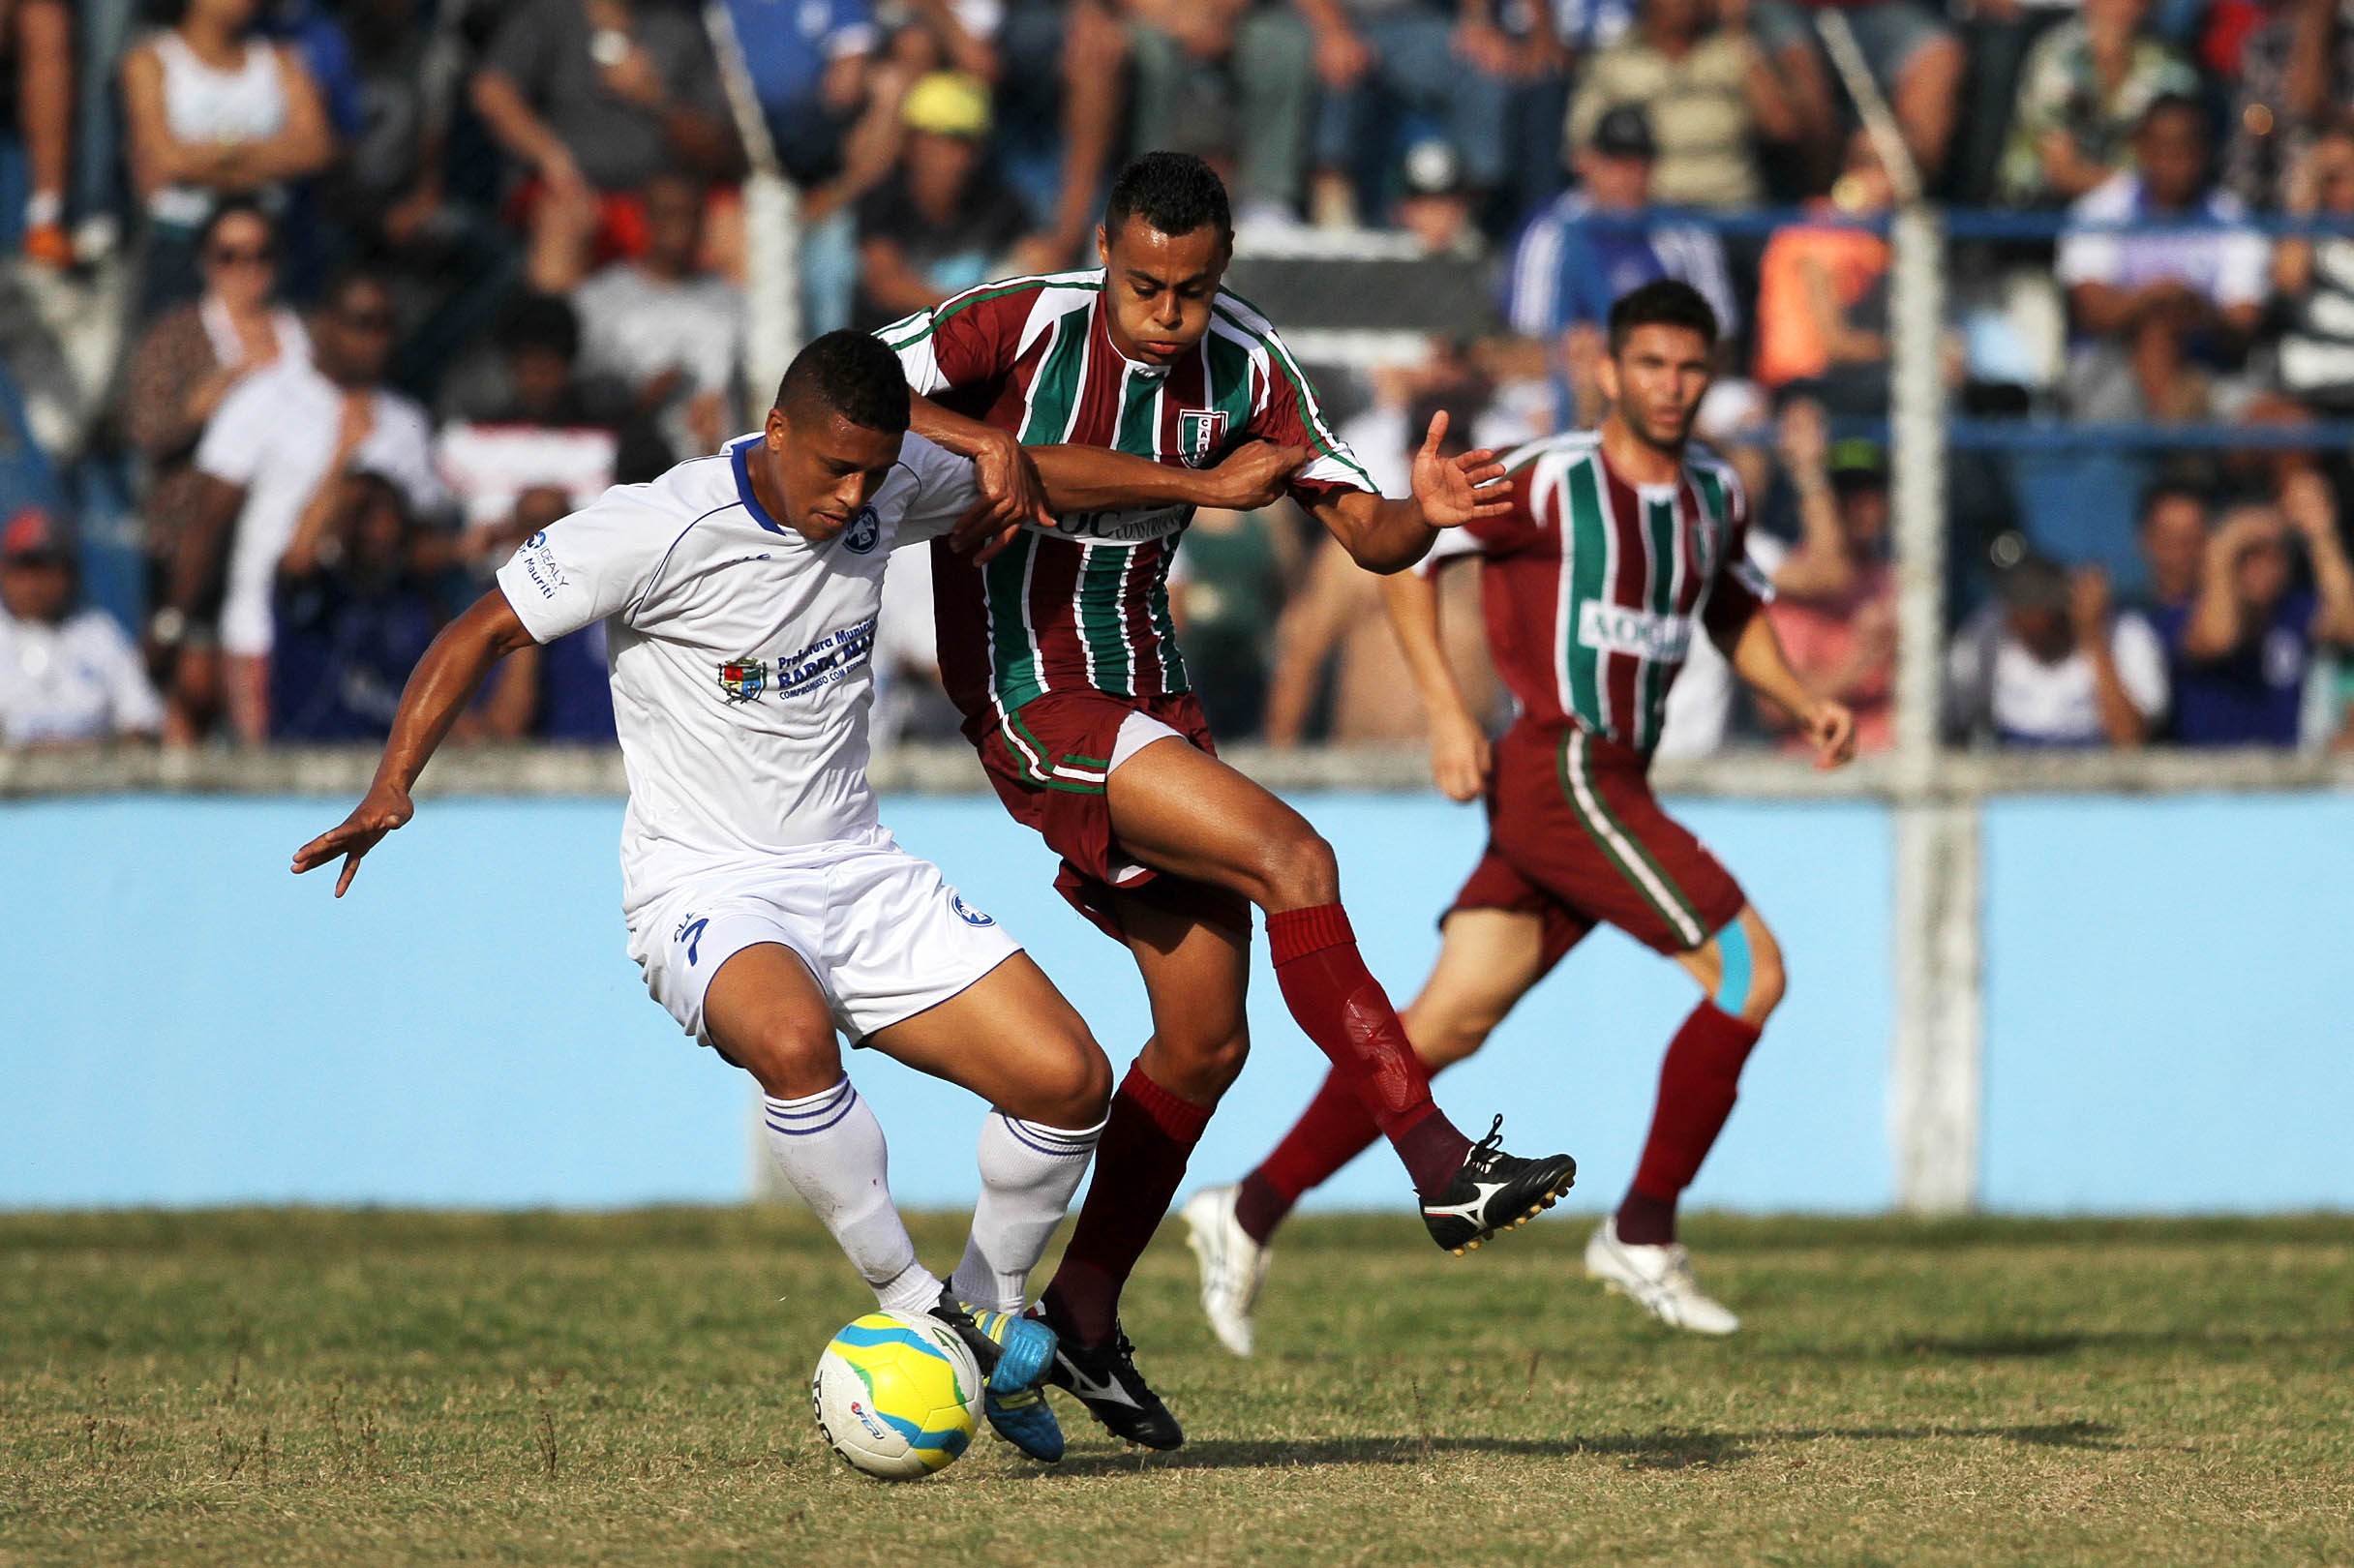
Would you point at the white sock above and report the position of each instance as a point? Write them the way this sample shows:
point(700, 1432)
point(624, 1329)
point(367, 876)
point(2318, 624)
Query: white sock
point(1028, 1173)
point(830, 1148)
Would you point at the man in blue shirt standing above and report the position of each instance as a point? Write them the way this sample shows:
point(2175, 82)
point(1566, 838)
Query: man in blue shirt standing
point(1600, 240)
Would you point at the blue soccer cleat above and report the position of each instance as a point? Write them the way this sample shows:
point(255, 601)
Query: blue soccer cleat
point(1026, 1422)
point(1013, 1351)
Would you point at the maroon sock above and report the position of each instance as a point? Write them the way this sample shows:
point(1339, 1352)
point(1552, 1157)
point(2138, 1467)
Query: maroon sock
point(1334, 1129)
point(1697, 1086)
point(1337, 1004)
point(1139, 1163)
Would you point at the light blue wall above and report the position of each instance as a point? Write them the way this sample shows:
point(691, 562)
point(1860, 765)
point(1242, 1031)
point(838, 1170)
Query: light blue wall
point(2167, 1009)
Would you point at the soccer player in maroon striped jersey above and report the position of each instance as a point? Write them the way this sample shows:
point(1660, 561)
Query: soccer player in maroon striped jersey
point(1056, 644)
point(1620, 546)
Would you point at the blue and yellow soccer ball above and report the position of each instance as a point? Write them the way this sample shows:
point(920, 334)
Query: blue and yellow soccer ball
point(898, 1396)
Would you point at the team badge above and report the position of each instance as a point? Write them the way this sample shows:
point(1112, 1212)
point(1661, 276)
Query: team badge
point(865, 529)
point(968, 914)
point(1199, 431)
point(742, 680)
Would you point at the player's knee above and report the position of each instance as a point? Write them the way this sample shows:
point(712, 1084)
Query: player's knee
point(1752, 979)
point(1297, 870)
point(1079, 1087)
point(1200, 1067)
point(791, 1058)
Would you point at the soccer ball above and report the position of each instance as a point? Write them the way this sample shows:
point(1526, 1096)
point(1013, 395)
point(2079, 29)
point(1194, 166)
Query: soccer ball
point(898, 1396)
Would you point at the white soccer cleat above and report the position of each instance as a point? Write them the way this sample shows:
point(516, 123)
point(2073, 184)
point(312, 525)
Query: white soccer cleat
point(1656, 1279)
point(1233, 1266)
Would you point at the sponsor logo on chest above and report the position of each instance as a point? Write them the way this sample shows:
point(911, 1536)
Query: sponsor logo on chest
point(1611, 628)
point(833, 657)
point(1118, 524)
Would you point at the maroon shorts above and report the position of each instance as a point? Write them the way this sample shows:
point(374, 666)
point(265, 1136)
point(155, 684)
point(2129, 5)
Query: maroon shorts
point(1576, 836)
point(1050, 760)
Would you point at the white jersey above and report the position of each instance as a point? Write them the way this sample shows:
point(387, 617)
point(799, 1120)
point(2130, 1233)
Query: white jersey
point(739, 653)
point(79, 680)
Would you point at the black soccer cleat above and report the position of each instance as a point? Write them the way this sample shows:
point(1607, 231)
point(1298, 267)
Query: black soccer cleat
point(1104, 1377)
point(1495, 1192)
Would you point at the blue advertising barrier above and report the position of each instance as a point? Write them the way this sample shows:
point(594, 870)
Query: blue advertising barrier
point(2167, 1009)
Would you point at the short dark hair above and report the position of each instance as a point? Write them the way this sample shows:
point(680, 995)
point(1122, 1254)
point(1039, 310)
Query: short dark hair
point(1174, 193)
point(1661, 302)
point(541, 322)
point(850, 373)
point(2174, 103)
point(355, 275)
point(2165, 490)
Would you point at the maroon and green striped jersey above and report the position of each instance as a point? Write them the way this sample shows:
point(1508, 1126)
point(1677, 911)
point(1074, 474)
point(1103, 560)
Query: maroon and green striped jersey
point(1593, 587)
point(1084, 605)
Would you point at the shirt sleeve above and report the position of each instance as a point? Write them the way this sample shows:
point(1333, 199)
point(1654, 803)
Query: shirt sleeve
point(1739, 590)
point(961, 342)
point(237, 440)
point(1286, 412)
point(599, 561)
point(2141, 664)
point(947, 487)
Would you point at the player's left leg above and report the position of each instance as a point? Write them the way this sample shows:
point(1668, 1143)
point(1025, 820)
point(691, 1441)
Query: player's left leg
point(1740, 974)
point(1488, 959)
point(1180, 810)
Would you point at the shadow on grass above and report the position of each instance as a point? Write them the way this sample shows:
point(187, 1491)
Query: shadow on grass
point(1667, 1449)
point(2033, 1347)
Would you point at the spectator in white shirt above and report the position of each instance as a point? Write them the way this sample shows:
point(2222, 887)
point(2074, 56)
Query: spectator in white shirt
point(2041, 667)
point(671, 330)
point(267, 450)
point(2160, 315)
point(67, 676)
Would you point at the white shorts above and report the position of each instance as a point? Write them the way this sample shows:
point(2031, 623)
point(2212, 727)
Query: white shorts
point(881, 932)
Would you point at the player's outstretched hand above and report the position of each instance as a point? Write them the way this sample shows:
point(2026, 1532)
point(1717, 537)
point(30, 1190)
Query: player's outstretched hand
point(1011, 493)
point(370, 820)
point(1460, 757)
point(1455, 491)
point(1831, 726)
point(1255, 474)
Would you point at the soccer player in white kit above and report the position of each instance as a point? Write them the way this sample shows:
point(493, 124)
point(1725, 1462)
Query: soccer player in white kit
point(765, 903)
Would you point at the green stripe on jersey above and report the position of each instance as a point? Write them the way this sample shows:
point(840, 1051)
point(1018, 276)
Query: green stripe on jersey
point(1013, 673)
point(1659, 528)
point(1103, 578)
point(1055, 390)
point(1312, 414)
point(1587, 535)
point(1230, 366)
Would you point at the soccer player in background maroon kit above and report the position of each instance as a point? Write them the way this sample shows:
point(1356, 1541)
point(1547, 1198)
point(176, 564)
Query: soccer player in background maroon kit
point(1057, 646)
point(1619, 545)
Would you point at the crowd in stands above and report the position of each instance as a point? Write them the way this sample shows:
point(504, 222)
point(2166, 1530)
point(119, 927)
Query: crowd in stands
point(359, 293)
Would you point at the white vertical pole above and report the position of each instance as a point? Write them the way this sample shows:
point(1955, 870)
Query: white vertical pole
point(771, 224)
point(1937, 1079)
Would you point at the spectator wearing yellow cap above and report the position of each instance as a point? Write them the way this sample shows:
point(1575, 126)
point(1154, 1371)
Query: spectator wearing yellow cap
point(943, 220)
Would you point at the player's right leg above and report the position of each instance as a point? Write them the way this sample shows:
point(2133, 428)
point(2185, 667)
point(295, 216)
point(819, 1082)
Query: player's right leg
point(763, 1011)
point(1180, 810)
point(1012, 1038)
point(1195, 971)
point(1488, 959)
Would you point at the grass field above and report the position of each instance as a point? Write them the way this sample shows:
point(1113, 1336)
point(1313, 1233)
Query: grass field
point(264, 1386)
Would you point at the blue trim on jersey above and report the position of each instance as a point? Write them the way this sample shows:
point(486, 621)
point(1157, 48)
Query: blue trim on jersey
point(743, 486)
point(1733, 979)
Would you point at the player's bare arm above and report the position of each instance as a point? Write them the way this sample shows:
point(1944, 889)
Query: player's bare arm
point(1459, 753)
point(1757, 657)
point(1081, 478)
point(1383, 535)
point(438, 691)
point(1011, 489)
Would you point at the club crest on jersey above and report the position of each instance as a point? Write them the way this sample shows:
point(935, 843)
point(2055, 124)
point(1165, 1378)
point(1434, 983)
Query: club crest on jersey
point(742, 680)
point(865, 529)
point(1198, 434)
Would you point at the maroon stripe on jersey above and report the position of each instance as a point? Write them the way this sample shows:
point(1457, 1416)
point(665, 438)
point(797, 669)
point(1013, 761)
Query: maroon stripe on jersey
point(1012, 401)
point(1054, 605)
point(959, 612)
point(1630, 588)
